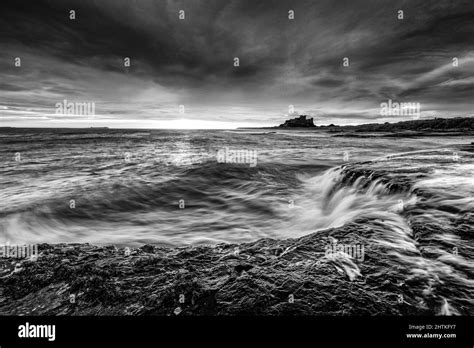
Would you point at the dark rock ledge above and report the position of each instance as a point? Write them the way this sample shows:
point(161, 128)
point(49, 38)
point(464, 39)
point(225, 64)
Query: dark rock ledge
point(255, 279)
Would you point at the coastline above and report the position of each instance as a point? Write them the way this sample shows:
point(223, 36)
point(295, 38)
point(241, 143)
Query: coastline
point(458, 126)
point(259, 279)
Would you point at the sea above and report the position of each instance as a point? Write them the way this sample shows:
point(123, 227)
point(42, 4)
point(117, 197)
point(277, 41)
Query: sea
point(182, 187)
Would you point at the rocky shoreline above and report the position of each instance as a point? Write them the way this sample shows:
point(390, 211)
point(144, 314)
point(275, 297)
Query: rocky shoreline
point(266, 277)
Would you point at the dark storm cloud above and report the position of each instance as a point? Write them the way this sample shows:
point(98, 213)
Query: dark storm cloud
point(10, 87)
point(328, 82)
point(289, 61)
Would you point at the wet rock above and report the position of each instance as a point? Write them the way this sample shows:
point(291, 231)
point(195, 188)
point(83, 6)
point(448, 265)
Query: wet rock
point(242, 267)
point(147, 248)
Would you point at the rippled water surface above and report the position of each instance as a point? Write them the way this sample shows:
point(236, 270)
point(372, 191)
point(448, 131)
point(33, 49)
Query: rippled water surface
point(125, 186)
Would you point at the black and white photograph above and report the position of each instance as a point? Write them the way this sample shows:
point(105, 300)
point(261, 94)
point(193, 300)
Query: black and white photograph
point(235, 158)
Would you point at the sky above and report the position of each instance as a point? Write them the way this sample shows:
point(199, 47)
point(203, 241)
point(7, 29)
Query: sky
point(183, 71)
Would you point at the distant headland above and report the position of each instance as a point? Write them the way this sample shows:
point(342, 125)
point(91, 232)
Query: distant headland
point(453, 126)
point(457, 124)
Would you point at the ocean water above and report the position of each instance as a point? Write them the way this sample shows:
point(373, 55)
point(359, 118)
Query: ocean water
point(130, 187)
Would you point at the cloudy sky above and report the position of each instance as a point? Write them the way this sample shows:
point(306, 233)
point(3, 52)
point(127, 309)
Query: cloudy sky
point(190, 61)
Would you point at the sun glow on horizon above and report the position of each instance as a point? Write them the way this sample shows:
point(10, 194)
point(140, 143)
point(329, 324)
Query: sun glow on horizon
point(184, 123)
point(181, 123)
